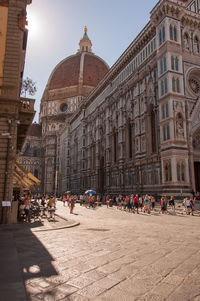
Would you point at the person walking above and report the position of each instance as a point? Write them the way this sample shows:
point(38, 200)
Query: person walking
point(141, 203)
point(136, 203)
point(64, 199)
point(153, 203)
point(107, 201)
point(72, 204)
point(172, 204)
point(27, 209)
point(43, 201)
point(163, 204)
point(50, 202)
point(147, 204)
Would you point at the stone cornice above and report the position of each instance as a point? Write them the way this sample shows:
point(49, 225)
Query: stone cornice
point(138, 43)
point(163, 9)
point(167, 8)
point(121, 89)
point(191, 19)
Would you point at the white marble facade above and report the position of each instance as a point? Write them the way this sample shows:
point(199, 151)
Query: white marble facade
point(138, 131)
point(135, 132)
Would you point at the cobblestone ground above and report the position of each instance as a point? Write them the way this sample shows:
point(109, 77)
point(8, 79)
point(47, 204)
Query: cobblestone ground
point(113, 255)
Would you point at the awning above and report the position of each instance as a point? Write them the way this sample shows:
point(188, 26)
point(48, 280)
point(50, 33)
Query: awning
point(32, 177)
point(30, 183)
point(27, 177)
point(18, 180)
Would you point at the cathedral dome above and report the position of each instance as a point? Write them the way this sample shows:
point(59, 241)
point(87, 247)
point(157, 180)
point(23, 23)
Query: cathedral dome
point(78, 74)
point(81, 69)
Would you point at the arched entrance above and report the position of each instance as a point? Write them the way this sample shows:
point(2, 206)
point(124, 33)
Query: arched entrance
point(196, 158)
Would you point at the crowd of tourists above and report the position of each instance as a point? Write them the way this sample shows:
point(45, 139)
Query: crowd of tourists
point(136, 203)
point(44, 205)
point(131, 203)
point(70, 200)
point(29, 207)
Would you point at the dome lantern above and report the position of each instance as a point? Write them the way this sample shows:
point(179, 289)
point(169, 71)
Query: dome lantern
point(85, 44)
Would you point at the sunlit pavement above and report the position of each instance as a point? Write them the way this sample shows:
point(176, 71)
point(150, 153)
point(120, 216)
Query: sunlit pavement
point(112, 255)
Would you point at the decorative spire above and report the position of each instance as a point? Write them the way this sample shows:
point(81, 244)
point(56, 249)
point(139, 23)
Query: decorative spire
point(85, 43)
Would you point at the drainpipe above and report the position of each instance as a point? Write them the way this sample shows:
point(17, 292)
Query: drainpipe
point(4, 218)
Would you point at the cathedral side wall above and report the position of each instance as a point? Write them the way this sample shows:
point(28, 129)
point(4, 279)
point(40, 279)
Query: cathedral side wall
point(135, 136)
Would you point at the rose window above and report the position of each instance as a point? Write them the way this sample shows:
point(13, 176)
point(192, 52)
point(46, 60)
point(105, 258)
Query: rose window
point(194, 85)
point(63, 107)
point(196, 141)
point(193, 81)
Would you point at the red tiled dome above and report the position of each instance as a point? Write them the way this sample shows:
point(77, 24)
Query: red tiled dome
point(81, 69)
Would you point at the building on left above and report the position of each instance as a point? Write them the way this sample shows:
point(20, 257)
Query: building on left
point(16, 113)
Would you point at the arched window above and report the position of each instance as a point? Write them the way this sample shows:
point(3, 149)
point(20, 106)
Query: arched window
point(177, 85)
point(130, 144)
point(153, 131)
point(183, 171)
point(176, 63)
point(172, 62)
point(165, 110)
point(115, 138)
point(168, 172)
point(166, 85)
point(36, 173)
point(163, 33)
point(162, 87)
point(162, 36)
point(166, 132)
point(180, 168)
point(35, 153)
point(175, 33)
point(173, 84)
point(196, 45)
point(186, 41)
point(171, 32)
point(49, 169)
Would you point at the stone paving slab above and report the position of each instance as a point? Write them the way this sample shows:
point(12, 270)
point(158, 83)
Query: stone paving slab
point(111, 255)
point(12, 252)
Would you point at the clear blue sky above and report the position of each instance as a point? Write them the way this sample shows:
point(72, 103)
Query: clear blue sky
point(56, 27)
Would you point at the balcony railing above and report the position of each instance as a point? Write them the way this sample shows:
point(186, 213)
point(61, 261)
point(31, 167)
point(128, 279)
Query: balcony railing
point(27, 104)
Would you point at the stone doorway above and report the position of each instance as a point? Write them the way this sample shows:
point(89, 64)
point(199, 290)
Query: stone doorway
point(196, 158)
point(197, 176)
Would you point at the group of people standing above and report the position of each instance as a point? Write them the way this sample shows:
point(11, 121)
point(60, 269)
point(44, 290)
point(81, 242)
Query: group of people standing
point(70, 200)
point(189, 205)
point(146, 203)
point(133, 203)
point(29, 207)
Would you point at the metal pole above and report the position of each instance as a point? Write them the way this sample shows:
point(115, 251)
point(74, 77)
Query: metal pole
point(56, 180)
point(4, 218)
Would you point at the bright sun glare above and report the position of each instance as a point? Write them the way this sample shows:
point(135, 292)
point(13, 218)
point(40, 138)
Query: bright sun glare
point(33, 25)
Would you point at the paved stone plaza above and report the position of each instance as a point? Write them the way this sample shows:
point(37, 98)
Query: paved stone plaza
point(111, 255)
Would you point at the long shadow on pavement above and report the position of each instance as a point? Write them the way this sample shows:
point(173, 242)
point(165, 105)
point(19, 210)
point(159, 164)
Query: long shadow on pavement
point(22, 257)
